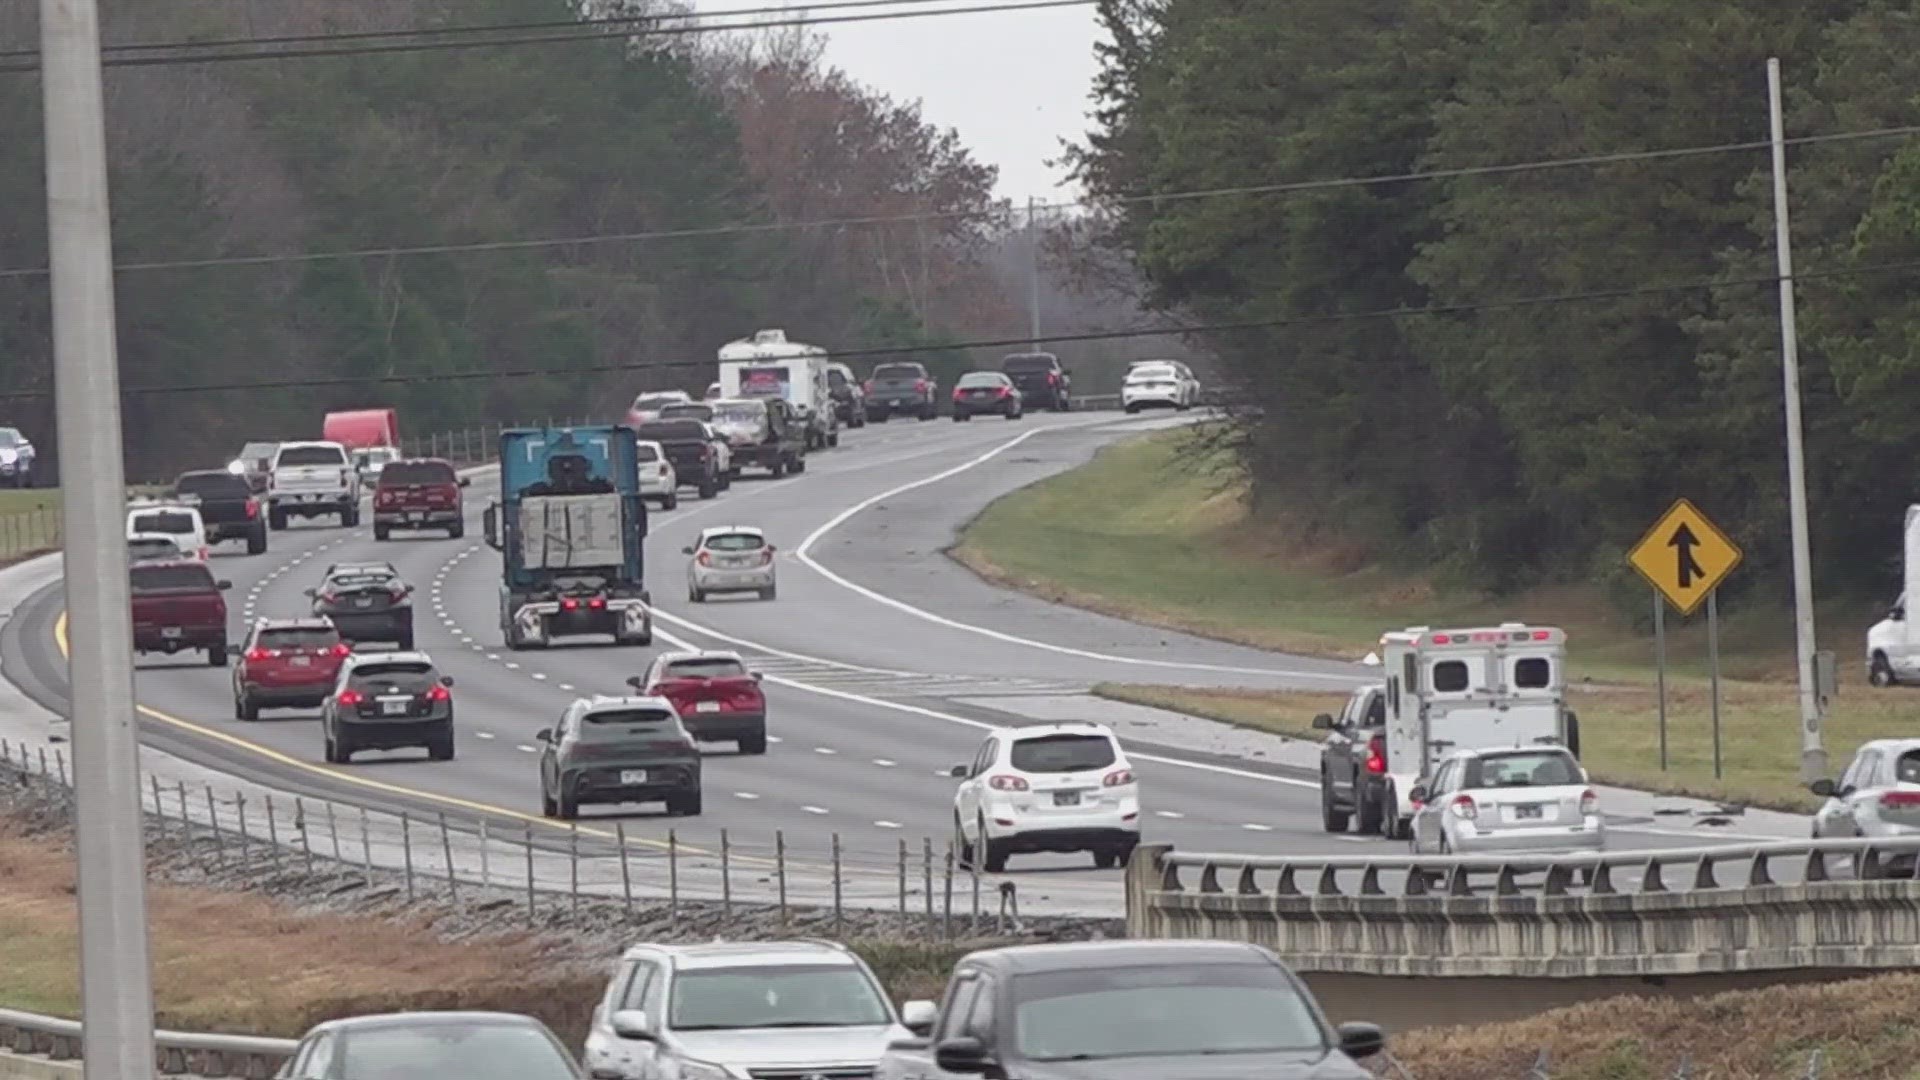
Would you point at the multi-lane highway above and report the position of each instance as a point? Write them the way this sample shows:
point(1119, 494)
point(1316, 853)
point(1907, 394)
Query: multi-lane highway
point(884, 663)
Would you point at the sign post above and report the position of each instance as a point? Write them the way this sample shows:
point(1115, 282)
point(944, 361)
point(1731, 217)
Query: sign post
point(1685, 557)
point(1660, 668)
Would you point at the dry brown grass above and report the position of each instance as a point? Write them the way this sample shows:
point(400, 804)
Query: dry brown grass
point(1868, 1029)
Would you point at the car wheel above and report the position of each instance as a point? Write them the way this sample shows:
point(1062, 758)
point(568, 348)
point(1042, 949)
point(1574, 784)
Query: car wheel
point(672, 500)
point(277, 519)
point(245, 709)
point(457, 532)
point(756, 744)
point(548, 808)
point(338, 752)
point(929, 414)
point(833, 439)
point(996, 855)
point(799, 465)
point(962, 847)
point(441, 748)
point(1332, 818)
point(380, 533)
point(406, 640)
point(350, 517)
point(1372, 813)
point(958, 417)
point(708, 488)
point(217, 654)
point(695, 595)
point(1880, 672)
point(569, 807)
point(778, 469)
point(769, 592)
point(1105, 859)
point(688, 805)
point(257, 542)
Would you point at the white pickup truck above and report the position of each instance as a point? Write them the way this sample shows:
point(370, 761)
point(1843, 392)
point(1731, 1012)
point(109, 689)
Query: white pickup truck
point(309, 479)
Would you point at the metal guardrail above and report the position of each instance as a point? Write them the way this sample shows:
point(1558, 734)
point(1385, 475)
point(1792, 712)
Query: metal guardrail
point(177, 1053)
point(1541, 875)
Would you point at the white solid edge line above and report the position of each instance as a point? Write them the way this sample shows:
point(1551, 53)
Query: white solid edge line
point(982, 725)
point(801, 553)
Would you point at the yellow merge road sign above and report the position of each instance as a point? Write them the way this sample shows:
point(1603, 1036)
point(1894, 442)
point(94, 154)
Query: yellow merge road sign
point(1684, 556)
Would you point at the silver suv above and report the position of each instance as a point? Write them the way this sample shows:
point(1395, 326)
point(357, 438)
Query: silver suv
point(766, 1010)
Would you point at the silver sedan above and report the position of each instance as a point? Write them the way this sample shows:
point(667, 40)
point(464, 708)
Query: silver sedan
point(1532, 799)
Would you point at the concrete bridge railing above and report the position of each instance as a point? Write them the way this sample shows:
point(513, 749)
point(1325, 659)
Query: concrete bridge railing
point(1692, 911)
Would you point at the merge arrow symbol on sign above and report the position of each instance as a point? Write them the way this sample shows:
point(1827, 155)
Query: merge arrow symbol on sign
point(1686, 567)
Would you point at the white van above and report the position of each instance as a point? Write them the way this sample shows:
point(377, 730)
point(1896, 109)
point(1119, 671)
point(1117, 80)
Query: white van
point(768, 365)
point(177, 521)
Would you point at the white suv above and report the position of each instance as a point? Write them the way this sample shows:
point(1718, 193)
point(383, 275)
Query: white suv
point(1050, 787)
point(657, 478)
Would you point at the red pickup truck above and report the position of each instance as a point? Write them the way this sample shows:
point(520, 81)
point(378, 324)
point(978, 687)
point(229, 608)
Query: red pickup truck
point(177, 606)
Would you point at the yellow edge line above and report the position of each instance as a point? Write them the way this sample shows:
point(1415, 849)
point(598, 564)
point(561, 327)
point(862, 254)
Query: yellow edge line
point(60, 639)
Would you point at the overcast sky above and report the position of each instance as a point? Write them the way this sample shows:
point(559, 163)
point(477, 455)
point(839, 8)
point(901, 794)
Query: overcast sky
point(1013, 83)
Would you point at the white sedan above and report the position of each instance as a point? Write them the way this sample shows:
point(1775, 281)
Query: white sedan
point(1165, 384)
point(1531, 799)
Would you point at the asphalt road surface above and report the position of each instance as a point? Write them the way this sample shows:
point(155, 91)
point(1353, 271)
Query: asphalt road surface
point(882, 660)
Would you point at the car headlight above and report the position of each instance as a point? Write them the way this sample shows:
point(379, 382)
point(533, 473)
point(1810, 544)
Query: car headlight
point(706, 1070)
point(236, 467)
point(8, 457)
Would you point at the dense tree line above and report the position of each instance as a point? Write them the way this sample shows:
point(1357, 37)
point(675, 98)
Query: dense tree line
point(616, 135)
point(1518, 442)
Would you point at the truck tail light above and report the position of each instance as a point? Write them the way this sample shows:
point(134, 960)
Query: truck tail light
point(1464, 807)
point(1377, 755)
point(1589, 803)
point(253, 508)
point(1007, 783)
point(921, 386)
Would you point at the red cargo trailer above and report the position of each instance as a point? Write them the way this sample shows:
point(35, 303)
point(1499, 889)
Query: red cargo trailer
point(360, 429)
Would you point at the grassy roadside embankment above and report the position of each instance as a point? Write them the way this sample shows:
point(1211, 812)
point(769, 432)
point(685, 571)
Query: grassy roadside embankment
point(29, 523)
point(1152, 530)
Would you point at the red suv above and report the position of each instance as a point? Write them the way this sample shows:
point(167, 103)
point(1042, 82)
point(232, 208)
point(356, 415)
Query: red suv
point(717, 698)
point(419, 493)
point(287, 664)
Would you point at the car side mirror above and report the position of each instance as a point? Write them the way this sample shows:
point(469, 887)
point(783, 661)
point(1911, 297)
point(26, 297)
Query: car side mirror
point(633, 1024)
point(446, 680)
point(770, 547)
point(1323, 722)
point(919, 1016)
point(1418, 793)
point(962, 1054)
point(686, 551)
point(637, 683)
point(545, 734)
point(959, 772)
point(235, 650)
point(306, 592)
point(1824, 788)
point(490, 523)
point(757, 676)
point(1361, 1040)
point(1898, 614)
point(223, 586)
point(466, 481)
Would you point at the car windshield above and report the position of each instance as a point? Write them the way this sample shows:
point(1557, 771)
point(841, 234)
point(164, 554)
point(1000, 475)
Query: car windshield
point(164, 521)
point(689, 410)
point(257, 450)
point(1537, 769)
point(837, 995)
point(656, 401)
point(707, 667)
point(468, 1051)
point(613, 725)
point(740, 412)
point(982, 378)
point(11, 437)
point(212, 485)
point(360, 581)
point(1150, 374)
point(1027, 364)
point(835, 378)
point(1062, 753)
point(157, 578)
point(899, 371)
point(298, 637)
point(152, 549)
point(735, 542)
point(1166, 1009)
point(646, 452)
point(405, 674)
point(417, 474)
point(312, 455)
point(674, 430)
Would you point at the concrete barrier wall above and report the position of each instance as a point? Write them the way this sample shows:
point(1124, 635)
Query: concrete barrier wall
point(1812, 926)
point(20, 1067)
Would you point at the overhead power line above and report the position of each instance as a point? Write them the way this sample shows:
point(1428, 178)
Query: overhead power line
point(745, 228)
point(1516, 303)
point(320, 49)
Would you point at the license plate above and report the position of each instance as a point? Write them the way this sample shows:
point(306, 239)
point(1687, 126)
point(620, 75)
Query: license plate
point(417, 515)
point(1531, 811)
point(899, 401)
point(1066, 798)
point(394, 708)
point(363, 601)
point(706, 706)
point(633, 777)
point(303, 661)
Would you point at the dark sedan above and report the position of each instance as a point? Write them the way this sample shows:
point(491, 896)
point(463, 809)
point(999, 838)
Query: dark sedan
point(367, 602)
point(466, 1045)
point(987, 392)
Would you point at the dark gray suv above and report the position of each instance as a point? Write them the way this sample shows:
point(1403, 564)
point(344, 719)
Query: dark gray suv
point(388, 701)
point(618, 750)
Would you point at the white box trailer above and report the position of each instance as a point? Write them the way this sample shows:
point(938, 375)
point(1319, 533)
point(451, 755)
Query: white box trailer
point(1893, 643)
point(1474, 689)
point(768, 365)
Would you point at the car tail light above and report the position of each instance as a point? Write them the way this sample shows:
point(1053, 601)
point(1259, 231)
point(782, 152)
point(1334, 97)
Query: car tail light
point(398, 592)
point(1589, 803)
point(921, 386)
point(349, 697)
point(439, 693)
point(1117, 777)
point(329, 598)
point(598, 603)
point(253, 507)
point(1900, 798)
point(704, 559)
point(341, 649)
point(1464, 806)
point(956, 393)
point(569, 604)
point(868, 385)
point(1007, 783)
point(1377, 755)
point(1053, 378)
point(257, 654)
point(766, 555)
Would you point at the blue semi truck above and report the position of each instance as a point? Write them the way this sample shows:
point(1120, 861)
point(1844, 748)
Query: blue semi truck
point(569, 526)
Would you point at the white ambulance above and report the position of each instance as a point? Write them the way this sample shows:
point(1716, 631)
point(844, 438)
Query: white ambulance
point(1474, 689)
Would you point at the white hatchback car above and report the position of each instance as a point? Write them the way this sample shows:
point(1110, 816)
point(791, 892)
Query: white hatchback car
point(730, 559)
point(1533, 799)
point(657, 478)
point(1047, 788)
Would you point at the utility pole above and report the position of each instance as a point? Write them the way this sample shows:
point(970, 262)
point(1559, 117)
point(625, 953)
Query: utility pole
point(1033, 270)
point(116, 990)
point(1813, 754)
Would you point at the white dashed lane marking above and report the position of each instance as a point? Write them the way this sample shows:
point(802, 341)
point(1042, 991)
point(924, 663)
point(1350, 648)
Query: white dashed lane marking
point(884, 763)
point(747, 795)
point(814, 809)
point(887, 824)
point(1252, 827)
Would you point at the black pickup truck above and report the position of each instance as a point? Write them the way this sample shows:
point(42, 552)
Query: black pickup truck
point(689, 449)
point(228, 505)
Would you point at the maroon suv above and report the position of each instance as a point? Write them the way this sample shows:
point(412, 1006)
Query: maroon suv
point(287, 664)
point(177, 606)
point(419, 493)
